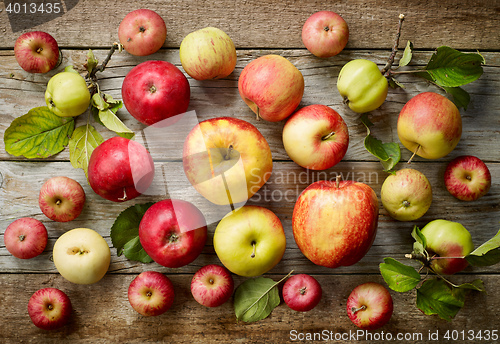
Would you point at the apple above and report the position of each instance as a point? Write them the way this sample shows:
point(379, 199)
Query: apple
point(81, 256)
point(429, 125)
point(316, 137)
point(249, 241)
point(467, 178)
point(406, 195)
point(49, 308)
point(272, 87)
point(208, 53)
point(227, 160)
point(151, 293)
point(447, 239)
point(25, 238)
point(302, 292)
point(362, 85)
point(120, 169)
point(67, 94)
point(61, 199)
point(154, 91)
point(212, 285)
point(37, 52)
point(173, 232)
point(335, 222)
point(325, 34)
point(370, 306)
point(142, 32)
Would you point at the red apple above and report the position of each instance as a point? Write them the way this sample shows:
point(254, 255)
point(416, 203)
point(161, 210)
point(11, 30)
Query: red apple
point(154, 91)
point(120, 169)
point(212, 285)
point(25, 238)
point(49, 308)
point(37, 52)
point(142, 32)
point(467, 178)
point(370, 306)
point(272, 87)
point(316, 137)
point(173, 232)
point(151, 293)
point(302, 292)
point(325, 34)
point(61, 199)
point(335, 222)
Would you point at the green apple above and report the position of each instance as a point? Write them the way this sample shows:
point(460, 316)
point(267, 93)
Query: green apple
point(67, 94)
point(250, 241)
point(406, 195)
point(447, 239)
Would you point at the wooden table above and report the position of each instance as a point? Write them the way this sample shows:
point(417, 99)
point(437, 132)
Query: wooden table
point(102, 313)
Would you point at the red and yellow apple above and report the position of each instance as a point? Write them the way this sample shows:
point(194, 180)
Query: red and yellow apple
point(467, 178)
point(37, 52)
point(370, 306)
point(325, 34)
point(142, 32)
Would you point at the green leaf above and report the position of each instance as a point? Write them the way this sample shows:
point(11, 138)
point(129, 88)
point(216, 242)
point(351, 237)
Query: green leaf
point(125, 233)
point(461, 97)
point(399, 277)
point(394, 83)
point(91, 61)
point(255, 299)
point(84, 140)
point(407, 55)
point(435, 296)
point(451, 68)
point(420, 243)
point(70, 69)
point(477, 285)
point(38, 134)
point(106, 107)
point(388, 153)
point(487, 254)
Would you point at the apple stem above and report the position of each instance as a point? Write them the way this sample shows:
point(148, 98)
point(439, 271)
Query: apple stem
point(390, 61)
point(50, 307)
point(253, 251)
point(228, 153)
point(58, 202)
point(413, 155)
point(258, 113)
point(124, 198)
point(326, 137)
point(22, 237)
point(302, 290)
point(354, 310)
point(337, 181)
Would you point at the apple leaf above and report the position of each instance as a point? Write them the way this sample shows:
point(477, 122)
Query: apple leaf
point(487, 254)
point(477, 285)
point(84, 140)
point(407, 55)
point(461, 98)
point(420, 241)
point(435, 296)
point(125, 233)
point(38, 134)
point(398, 276)
point(388, 153)
point(91, 61)
point(104, 108)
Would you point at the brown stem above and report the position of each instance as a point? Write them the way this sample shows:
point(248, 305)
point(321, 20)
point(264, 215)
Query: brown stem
point(413, 155)
point(337, 180)
point(326, 137)
point(390, 61)
point(228, 153)
point(124, 198)
point(102, 66)
point(354, 310)
point(253, 251)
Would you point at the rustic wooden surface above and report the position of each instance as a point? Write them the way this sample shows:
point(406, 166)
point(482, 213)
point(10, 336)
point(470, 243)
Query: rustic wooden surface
point(101, 311)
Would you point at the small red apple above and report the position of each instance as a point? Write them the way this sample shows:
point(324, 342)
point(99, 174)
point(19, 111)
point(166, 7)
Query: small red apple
point(467, 178)
point(370, 306)
point(37, 52)
point(302, 292)
point(325, 34)
point(142, 32)
point(61, 199)
point(212, 285)
point(151, 293)
point(49, 308)
point(25, 238)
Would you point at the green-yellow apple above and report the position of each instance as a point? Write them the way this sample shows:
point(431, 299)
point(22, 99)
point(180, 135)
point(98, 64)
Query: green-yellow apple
point(208, 53)
point(406, 195)
point(81, 256)
point(429, 125)
point(370, 306)
point(272, 87)
point(467, 178)
point(250, 241)
point(67, 94)
point(316, 137)
point(142, 32)
point(335, 222)
point(325, 34)
point(227, 160)
point(447, 239)
point(362, 85)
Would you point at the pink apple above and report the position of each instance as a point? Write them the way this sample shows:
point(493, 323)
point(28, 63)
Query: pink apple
point(316, 137)
point(467, 178)
point(120, 169)
point(302, 292)
point(370, 306)
point(142, 32)
point(272, 87)
point(173, 232)
point(212, 285)
point(49, 308)
point(154, 91)
point(325, 34)
point(61, 199)
point(37, 52)
point(151, 293)
point(25, 238)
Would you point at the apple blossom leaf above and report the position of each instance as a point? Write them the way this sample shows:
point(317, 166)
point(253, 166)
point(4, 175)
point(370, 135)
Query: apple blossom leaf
point(435, 296)
point(125, 233)
point(92, 62)
point(487, 254)
point(255, 299)
point(398, 276)
point(420, 243)
point(38, 134)
point(477, 285)
point(407, 55)
point(104, 108)
point(84, 140)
